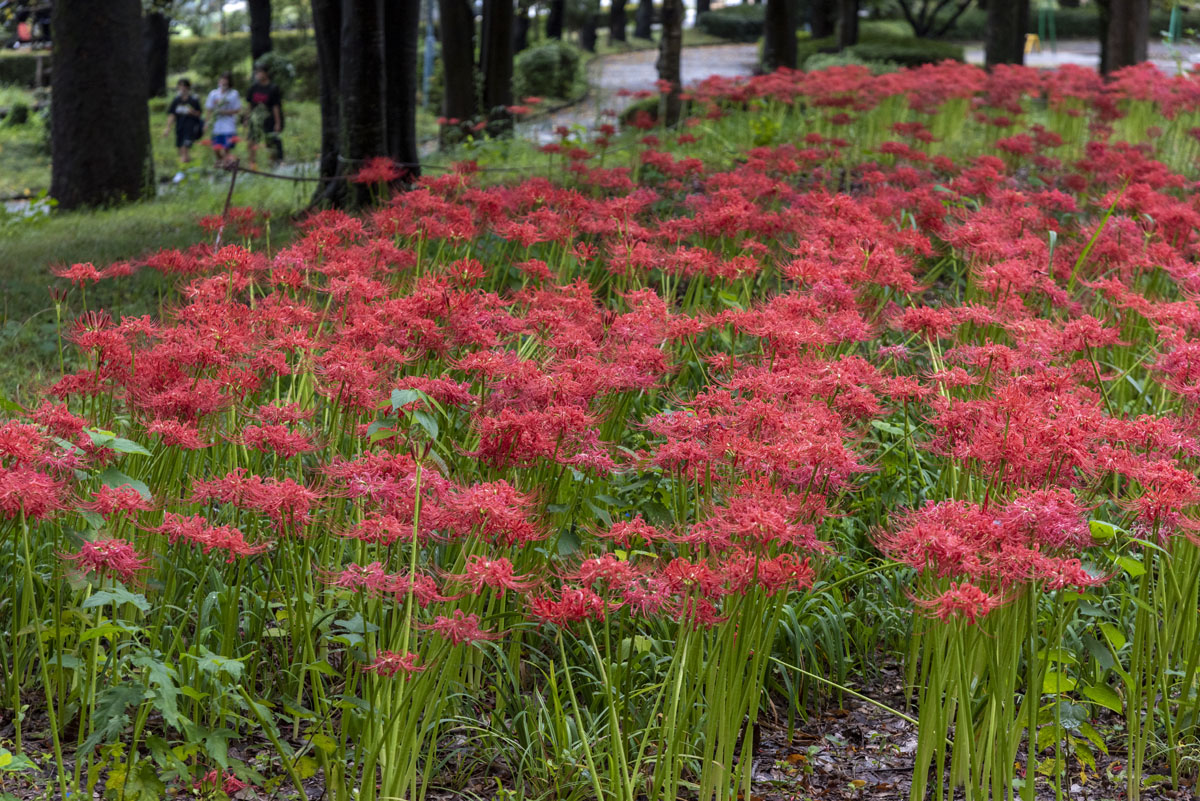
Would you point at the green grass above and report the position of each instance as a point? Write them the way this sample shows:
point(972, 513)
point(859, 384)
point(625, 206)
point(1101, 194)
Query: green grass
point(30, 249)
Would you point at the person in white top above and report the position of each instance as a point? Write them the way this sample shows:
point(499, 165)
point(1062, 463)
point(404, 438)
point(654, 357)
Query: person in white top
point(223, 105)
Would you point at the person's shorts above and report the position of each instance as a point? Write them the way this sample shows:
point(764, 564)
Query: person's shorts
point(224, 141)
point(184, 140)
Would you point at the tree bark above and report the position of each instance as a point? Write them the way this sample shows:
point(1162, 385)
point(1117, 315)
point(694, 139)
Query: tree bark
point(327, 27)
point(587, 33)
point(847, 25)
point(459, 101)
point(367, 56)
point(260, 27)
point(554, 20)
point(156, 39)
point(703, 7)
point(670, 51)
point(822, 18)
point(1128, 33)
point(616, 22)
point(401, 28)
point(1103, 15)
point(100, 128)
point(779, 35)
point(496, 57)
point(643, 21)
point(521, 29)
point(1008, 20)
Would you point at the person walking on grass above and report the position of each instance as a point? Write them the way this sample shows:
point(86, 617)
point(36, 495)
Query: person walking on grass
point(223, 105)
point(186, 116)
point(264, 120)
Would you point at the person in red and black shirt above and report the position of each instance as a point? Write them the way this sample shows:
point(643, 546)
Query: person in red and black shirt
point(264, 116)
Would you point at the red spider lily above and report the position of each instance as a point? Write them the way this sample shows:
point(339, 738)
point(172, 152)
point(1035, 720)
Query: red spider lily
point(459, 628)
point(574, 604)
point(389, 663)
point(497, 574)
point(197, 530)
point(964, 601)
point(29, 492)
point(108, 501)
point(378, 170)
point(79, 274)
point(111, 557)
point(217, 779)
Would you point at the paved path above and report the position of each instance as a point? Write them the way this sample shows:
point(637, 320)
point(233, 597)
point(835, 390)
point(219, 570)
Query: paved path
point(635, 71)
point(1086, 53)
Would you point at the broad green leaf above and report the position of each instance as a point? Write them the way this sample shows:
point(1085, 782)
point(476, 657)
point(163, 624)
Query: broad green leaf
point(306, 767)
point(112, 477)
point(1056, 682)
point(116, 595)
point(1103, 695)
point(403, 397)
point(166, 693)
point(111, 715)
point(1130, 565)
point(427, 422)
point(1115, 637)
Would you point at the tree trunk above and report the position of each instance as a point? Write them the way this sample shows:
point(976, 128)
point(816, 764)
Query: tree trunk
point(260, 27)
point(1007, 22)
point(459, 101)
point(644, 19)
point(554, 20)
point(156, 39)
point(1103, 16)
point(521, 29)
point(1128, 33)
point(496, 57)
point(100, 128)
point(847, 24)
point(616, 22)
point(822, 15)
point(703, 7)
point(367, 56)
point(401, 28)
point(327, 27)
point(587, 33)
point(779, 35)
point(670, 50)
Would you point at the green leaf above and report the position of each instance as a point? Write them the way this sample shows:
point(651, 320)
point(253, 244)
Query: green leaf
point(102, 438)
point(143, 784)
point(403, 397)
point(12, 763)
point(117, 595)
point(111, 715)
point(1116, 637)
point(427, 422)
point(1102, 531)
point(306, 767)
point(166, 693)
point(1130, 565)
point(1056, 682)
point(1103, 695)
point(112, 477)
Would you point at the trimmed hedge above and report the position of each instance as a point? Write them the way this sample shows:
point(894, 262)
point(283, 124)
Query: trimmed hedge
point(20, 68)
point(548, 70)
point(742, 23)
point(1069, 23)
point(873, 47)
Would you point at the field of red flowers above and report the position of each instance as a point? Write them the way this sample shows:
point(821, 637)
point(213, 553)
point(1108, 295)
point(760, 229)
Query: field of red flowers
point(567, 487)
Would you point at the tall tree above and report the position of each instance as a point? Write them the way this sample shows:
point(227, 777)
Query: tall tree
point(643, 21)
point(847, 23)
point(521, 27)
point(156, 42)
point(670, 57)
point(617, 22)
point(496, 57)
point(779, 35)
point(933, 18)
point(1008, 20)
point(587, 30)
point(367, 56)
point(260, 27)
point(100, 128)
point(554, 19)
point(703, 7)
point(822, 18)
point(459, 100)
point(1127, 34)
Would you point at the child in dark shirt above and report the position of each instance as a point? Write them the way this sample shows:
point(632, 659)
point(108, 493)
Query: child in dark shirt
point(264, 116)
point(187, 117)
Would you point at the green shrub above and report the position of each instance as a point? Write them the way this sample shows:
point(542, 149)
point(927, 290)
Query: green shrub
point(183, 48)
point(280, 68)
point(548, 70)
point(216, 56)
point(1069, 23)
point(307, 83)
point(823, 61)
point(742, 23)
point(18, 114)
point(881, 47)
point(19, 68)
